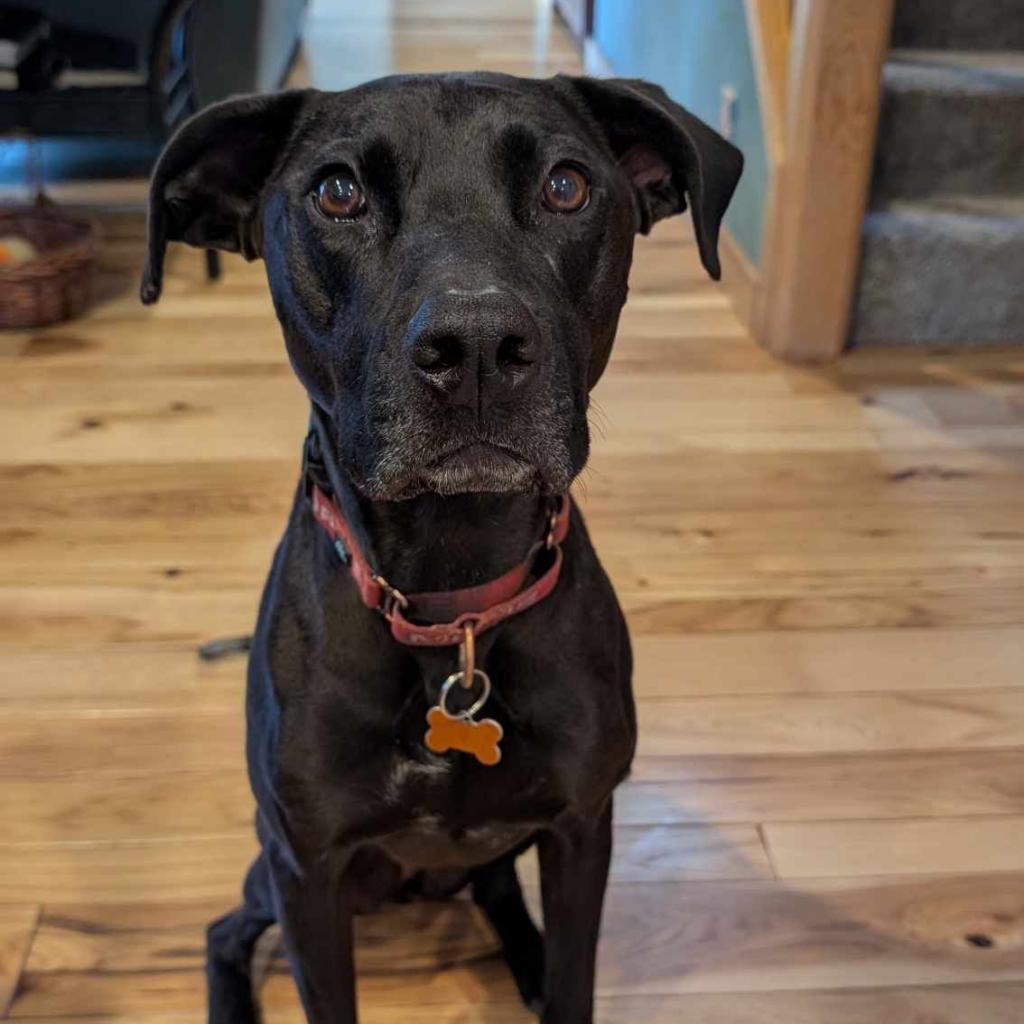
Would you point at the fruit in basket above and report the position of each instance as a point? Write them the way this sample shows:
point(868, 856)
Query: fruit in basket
point(15, 250)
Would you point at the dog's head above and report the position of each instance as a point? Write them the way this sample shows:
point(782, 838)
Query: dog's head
point(447, 254)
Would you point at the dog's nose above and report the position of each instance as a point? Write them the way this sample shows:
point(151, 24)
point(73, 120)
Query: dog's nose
point(475, 348)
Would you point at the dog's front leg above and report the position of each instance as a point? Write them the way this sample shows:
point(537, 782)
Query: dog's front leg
point(574, 861)
point(315, 912)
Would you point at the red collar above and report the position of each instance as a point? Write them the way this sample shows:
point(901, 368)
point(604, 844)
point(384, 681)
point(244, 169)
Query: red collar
point(450, 612)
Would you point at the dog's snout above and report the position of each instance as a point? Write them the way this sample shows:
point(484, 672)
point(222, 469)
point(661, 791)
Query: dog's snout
point(474, 348)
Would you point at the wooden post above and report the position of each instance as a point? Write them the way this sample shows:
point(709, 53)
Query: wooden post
point(815, 209)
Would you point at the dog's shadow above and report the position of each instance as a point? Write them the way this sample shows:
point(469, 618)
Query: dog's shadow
point(436, 952)
point(674, 926)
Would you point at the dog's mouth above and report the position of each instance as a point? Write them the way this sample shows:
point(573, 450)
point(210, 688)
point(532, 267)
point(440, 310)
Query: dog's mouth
point(480, 467)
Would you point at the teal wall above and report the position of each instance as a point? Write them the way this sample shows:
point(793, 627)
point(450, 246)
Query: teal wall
point(692, 48)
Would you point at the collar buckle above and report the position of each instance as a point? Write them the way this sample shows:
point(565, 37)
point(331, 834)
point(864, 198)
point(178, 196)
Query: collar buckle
point(393, 598)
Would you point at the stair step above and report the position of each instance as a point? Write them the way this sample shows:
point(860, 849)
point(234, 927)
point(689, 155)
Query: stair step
point(964, 24)
point(951, 122)
point(943, 269)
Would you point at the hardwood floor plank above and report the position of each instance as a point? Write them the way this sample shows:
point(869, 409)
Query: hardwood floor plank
point(157, 802)
point(189, 343)
point(195, 866)
point(830, 723)
point(17, 930)
point(210, 862)
point(879, 608)
point(941, 1004)
point(141, 675)
point(128, 939)
point(45, 617)
point(825, 787)
point(174, 493)
point(809, 849)
point(753, 937)
point(132, 675)
point(696, 555)
point(168, 417)
point(829, 661)
point(678, 853)
point(58, 744)
point(157, 805)
point(843, 481)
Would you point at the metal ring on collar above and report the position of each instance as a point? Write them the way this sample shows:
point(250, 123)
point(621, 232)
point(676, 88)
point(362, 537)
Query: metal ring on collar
point(456, 677)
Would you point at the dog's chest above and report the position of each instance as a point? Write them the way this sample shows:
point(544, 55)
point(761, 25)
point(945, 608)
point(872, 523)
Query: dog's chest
point(446, 811)
point(430, 842)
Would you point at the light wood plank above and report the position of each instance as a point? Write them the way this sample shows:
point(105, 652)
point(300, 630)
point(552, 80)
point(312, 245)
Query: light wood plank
point(877, 608)
point(153, 860)
point(38, 616)
point(110, 677)
point(56, 744)
point(676, 852)
point(829, 661)
point(35, 617)
point(17, 929)
point(811, 849)
point(130, 938)
point(717, 790)
point(831, 723)
point(699, 938)
point(825, 787)
point(688, 553)
point(195, 866)
point(946, 1004)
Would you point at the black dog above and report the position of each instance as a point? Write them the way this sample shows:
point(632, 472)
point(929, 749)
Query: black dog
point(448, 258)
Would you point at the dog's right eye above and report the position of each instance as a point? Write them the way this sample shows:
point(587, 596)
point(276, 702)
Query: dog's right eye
point(566, 189)
point(339, 197)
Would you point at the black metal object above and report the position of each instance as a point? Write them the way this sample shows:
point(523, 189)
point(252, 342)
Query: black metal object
point(224, 647)
point(213, 267)
point(152, 108)
point(155, 62)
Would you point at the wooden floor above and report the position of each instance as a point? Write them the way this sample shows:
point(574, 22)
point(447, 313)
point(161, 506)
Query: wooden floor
point(824, 574)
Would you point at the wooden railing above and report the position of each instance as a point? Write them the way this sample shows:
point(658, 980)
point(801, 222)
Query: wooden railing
point(819, 65)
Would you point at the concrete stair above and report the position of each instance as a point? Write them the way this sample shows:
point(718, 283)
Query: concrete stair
point(943, 252)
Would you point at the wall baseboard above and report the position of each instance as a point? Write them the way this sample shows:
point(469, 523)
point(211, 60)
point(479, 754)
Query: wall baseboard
point(740, 278)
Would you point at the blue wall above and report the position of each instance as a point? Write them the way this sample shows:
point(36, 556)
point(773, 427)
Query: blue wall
point(692, 48)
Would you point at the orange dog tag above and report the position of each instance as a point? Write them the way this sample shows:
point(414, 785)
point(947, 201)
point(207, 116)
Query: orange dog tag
point(480, 739)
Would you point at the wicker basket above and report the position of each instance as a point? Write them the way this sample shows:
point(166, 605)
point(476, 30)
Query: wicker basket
point(57, 284)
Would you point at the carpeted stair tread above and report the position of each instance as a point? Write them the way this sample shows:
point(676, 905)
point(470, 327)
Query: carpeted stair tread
point(947, 268)
point(950, 122)
point(971, 24)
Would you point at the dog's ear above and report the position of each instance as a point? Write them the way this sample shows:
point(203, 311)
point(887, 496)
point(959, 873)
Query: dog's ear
point(205, 188)
point(668, 154)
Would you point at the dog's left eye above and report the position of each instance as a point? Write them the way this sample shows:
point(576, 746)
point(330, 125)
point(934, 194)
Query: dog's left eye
point(566, 189)
point(339, 197)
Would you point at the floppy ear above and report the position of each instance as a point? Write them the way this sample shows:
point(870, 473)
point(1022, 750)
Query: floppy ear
point(205, 188)
point(668, 154)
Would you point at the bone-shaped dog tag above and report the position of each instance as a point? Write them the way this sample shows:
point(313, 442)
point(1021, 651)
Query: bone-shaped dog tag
point(480, 739)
